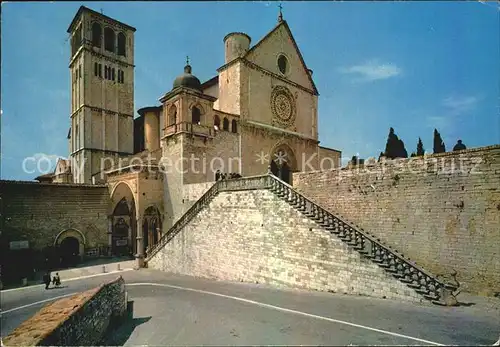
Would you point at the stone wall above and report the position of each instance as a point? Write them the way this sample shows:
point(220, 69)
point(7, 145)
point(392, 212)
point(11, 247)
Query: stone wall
point(259, 143)
point(80, 320)
point(192, 192)
point(253, 236)
point(204, 156)
point(173, 180)
point(38, 212)
point(328, 159)
point(443, 211)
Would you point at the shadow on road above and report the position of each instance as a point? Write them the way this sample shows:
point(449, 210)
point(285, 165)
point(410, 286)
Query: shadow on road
point(466, 304)
point(119, 335)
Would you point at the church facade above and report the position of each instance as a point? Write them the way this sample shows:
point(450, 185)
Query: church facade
point(259, 113)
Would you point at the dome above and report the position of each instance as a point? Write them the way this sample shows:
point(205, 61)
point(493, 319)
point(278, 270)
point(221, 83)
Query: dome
point(187, 80)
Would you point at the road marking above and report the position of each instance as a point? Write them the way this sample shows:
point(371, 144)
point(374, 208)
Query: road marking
point(37, 303)
point(288, 310)
point(67, 280)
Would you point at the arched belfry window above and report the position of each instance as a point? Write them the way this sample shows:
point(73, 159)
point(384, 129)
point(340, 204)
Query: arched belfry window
point(172, 115)
point(196, 115)
point(217, 121)
point(121, 44)
point(234, 128)
point(225, 124)
point(76, 40)
point(109, 39)
point(96, 34)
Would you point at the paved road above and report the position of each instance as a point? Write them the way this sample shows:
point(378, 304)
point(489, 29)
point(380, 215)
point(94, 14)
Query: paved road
point(179, 310)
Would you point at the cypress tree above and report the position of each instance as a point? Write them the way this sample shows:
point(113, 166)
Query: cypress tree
point(439, 146)
point(394, 148)
point(420, 147)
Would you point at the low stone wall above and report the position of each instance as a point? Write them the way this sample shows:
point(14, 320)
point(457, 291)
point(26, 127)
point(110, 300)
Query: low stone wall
point(80, 320)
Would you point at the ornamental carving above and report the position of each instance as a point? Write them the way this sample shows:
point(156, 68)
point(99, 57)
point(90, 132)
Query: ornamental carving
point(283, 106)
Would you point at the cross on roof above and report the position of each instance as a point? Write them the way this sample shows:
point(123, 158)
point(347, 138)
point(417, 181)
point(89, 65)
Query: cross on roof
point(187, 59)
point(280, 18)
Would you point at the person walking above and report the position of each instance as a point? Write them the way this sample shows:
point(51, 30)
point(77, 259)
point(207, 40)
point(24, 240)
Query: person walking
point(56, 280)
point(46, 280)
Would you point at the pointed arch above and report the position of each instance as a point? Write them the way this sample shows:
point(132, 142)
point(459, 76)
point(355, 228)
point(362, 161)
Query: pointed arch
point(123, 220)
point(70, 232)
point(234, 128)
point(282, 152)
point(70, 246)
point(151, 227)
point(217, 121)
point(225, 124)
point(283, 162)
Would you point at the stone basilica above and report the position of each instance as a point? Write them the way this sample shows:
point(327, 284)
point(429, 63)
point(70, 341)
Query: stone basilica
point(258, 112)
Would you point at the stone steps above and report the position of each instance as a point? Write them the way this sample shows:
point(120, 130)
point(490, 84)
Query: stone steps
point(426, 286)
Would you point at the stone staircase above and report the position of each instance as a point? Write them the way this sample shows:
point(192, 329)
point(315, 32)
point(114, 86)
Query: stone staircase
point(367, 245)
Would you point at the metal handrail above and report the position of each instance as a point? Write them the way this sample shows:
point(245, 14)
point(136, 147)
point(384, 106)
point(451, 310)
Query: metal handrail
point(361, 231)
point(267, 182)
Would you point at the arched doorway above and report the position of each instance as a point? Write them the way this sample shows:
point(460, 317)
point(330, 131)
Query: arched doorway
point(70, 247)
point(123, 222)
point(151, 227)
point(283, 163)
point(69, 252)
point(122, 242)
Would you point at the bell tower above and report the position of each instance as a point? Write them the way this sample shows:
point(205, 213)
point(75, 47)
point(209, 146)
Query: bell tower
point(102, 93)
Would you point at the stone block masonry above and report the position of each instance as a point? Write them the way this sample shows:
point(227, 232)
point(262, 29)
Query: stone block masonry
point(253, 236)
point(442, 211)
point(38, 212)
point(80, 320)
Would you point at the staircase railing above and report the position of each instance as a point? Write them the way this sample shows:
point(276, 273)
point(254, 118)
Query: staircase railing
point(355, 237)
point(236, 184)
point(367, 245)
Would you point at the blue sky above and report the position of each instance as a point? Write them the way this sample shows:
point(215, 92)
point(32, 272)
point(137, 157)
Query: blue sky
point(410, 65)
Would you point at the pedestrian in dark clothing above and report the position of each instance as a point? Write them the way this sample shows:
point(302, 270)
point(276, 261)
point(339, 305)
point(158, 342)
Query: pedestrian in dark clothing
point(46, 280)
point(56, 280)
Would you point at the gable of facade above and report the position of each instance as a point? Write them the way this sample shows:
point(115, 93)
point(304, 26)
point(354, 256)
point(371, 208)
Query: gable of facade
point(280, 42)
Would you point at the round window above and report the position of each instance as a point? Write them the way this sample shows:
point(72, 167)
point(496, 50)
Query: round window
point(282, 64)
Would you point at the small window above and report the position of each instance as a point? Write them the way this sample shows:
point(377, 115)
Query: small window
point(225, 124)
point(196, 115)
point(123, 76)
point(217, 121)
point(100, 70)
point(105, 72)
point(283, 64)
point(96, 69)
point(234, 128)
point(113, 74)
point(80, 71)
